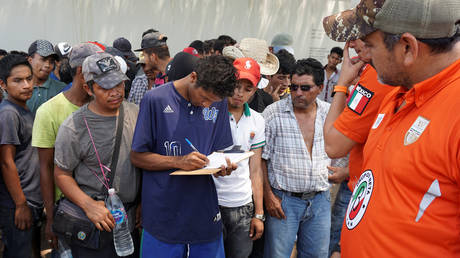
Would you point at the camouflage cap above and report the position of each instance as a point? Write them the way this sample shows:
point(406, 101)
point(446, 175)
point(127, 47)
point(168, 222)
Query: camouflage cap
point(80, 52)
point(103, 69)
point(152, 39)
point(425, 19)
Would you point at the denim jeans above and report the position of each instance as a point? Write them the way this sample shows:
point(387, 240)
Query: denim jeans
point(307, 219)
point(151, 247)
point(338, 214)
point(19, 243)
point(236, 224)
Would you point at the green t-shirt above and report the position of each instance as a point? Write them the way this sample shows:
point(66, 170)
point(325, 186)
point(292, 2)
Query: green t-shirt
point(48, 118)
point(43, 93)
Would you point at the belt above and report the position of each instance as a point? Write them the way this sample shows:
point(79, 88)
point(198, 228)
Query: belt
point(303, 196)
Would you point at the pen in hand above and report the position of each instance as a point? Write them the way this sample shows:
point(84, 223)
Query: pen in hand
point(191, 145)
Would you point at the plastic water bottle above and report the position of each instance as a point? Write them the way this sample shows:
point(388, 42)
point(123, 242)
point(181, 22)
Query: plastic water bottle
point(64, 250)
point(121, 235)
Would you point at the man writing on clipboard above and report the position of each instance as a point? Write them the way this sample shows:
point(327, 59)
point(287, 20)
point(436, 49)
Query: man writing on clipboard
point(180, 214)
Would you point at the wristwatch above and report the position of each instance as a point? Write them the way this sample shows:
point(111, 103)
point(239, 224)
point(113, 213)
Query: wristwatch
point(260, 216)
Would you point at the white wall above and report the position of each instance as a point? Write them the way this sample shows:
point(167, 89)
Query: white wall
point(74, 21)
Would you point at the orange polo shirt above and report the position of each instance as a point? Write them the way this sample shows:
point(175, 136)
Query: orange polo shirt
point(357, 118)
point(407, 200)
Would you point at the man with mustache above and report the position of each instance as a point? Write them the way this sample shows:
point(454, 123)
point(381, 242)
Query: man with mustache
point(80, 156)
point(410, 160)
point(295, 165)
point(21, 203)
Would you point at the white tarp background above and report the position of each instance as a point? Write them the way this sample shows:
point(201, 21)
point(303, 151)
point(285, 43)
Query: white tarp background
point(74, 21)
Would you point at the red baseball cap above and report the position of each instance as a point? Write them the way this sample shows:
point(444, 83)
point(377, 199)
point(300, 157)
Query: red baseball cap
point(191, 51)
point(248, 69)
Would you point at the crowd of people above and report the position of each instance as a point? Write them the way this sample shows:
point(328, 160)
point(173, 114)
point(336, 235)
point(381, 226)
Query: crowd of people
point(76, 121)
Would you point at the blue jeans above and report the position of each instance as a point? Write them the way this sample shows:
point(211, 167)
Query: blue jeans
point(307, 219)
point(19, 243)
point(152, 247)
point(236, 224)
point(338, 214)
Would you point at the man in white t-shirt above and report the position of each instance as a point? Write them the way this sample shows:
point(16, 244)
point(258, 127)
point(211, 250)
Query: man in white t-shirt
point(331, 74)
point(242, 217)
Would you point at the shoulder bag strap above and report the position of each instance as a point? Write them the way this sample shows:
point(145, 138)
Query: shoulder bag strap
point(116, 150)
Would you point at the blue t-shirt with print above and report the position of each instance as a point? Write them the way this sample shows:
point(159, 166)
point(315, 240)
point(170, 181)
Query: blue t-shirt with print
point(180, 209)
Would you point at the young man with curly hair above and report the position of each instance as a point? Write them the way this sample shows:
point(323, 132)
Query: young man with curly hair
point(180, 214)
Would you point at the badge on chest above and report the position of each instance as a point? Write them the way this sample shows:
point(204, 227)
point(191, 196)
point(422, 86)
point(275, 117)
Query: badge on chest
point(416, 130)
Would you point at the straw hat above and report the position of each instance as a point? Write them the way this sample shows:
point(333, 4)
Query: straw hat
point(257, 49)
point(232, 52)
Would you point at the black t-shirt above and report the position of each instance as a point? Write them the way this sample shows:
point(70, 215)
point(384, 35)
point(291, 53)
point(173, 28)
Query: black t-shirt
point(260, 100)
point(16, 129)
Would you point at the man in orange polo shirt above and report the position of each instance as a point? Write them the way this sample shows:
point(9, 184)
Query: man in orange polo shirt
point(406, 202)
point(347, 126)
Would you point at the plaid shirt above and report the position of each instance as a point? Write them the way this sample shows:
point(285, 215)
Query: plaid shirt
point(288, 160)
point(138, 89)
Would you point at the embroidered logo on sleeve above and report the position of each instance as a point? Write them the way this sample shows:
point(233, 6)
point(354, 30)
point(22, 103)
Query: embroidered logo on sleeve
point(416, 130)
point(359, 99)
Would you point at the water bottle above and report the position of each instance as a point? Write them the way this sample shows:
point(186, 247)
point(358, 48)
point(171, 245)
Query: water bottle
point(121, 235)
point(64, 250)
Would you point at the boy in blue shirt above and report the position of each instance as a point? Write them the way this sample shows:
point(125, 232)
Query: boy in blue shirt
point(180, 214)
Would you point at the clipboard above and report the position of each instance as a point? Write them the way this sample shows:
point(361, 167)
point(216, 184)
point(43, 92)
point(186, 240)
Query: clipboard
point(210, 171)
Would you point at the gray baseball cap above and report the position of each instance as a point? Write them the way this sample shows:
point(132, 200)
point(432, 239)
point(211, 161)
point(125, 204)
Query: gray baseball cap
point(43, 48)
point(80, 52)
point(425, 19)
point(103, 69)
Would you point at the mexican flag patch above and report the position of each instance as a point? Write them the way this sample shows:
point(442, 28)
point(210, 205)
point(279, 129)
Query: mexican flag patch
point(359, 99)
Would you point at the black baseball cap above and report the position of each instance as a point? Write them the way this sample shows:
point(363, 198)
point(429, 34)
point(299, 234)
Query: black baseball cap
point(124, 46)
point(182, 65)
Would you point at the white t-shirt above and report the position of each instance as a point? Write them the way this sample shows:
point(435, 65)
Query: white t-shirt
point(328, 86)
point(236, 190)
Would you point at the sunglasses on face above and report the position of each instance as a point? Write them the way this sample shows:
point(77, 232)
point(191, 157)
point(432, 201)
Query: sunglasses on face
point(294, 87)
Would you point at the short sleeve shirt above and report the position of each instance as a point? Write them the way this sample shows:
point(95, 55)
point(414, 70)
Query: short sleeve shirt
point(16, 129)
point(180, 209)
point(43, 93)
point(75, 153)
point(406, 203)
point(357, 118)
point(48, 118)
point(249, 133)
point(328, 86)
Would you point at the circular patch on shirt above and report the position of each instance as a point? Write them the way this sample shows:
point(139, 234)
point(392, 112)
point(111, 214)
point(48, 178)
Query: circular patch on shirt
point(81, 235)
point(360, 199)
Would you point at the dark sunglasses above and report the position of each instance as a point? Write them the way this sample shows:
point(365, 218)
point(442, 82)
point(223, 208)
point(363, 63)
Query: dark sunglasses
point(294, 87)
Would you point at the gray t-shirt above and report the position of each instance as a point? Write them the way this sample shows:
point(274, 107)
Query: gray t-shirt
point(16, 129)
point(75, 153)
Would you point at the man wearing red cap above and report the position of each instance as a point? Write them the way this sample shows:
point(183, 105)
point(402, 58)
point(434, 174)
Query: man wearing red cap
point(241, 217)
